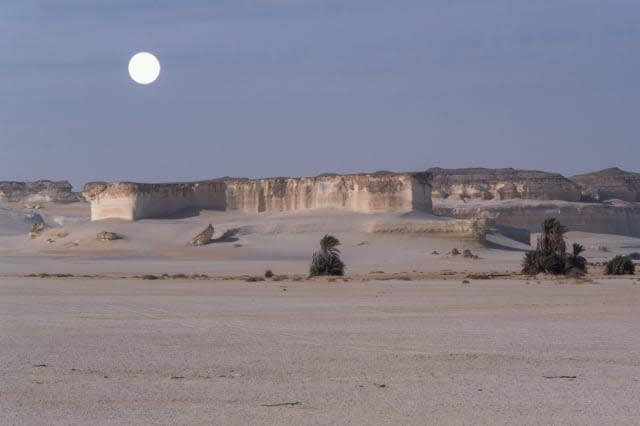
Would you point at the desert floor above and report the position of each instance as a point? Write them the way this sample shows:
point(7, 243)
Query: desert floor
point(406, 337)
point(103, 351)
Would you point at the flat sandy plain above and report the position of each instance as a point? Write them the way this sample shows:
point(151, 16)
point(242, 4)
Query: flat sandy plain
point(421, 343)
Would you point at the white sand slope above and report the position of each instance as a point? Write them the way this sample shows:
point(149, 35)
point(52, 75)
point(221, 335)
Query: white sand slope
point(283, 243)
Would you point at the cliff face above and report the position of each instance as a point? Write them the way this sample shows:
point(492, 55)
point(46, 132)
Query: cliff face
point(612, 218)
point(608, 184)
point(361, 193)
point(38, 192)
point(131, 201)
point(501, 184)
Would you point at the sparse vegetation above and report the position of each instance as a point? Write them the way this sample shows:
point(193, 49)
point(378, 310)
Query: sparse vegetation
point(327, 260)
point(254, 279)
point(550, 255)
point(620, 265)
point(576, 262)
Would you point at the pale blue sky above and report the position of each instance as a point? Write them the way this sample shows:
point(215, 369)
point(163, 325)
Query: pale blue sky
point(300, 87)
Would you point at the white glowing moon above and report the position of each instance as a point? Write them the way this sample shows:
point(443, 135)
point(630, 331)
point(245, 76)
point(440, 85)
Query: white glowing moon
point(144, 68)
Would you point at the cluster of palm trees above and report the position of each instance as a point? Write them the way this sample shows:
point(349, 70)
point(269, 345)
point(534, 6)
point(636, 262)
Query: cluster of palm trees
point(550, 255)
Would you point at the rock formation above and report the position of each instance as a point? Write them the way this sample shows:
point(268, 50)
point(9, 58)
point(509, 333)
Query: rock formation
point(472, 228)
point(609, 184)
point(38, 192)
point(501, 184)
point(615, 217)
point(107, 236)
point(523, 199)
point(36, 229)
point(381, 192)
point(17, 222)
point(204, 237)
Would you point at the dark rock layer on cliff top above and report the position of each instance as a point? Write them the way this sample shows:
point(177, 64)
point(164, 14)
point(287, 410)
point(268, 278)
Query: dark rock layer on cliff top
point(502, 184)
point(39, 191)
point(608, 184)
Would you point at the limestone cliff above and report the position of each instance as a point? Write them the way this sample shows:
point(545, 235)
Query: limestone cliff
point(38, 192)
point(608, 184)
point(382, 192)
point(613, 218)
point(501, 184)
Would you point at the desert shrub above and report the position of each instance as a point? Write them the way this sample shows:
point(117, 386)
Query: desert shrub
point(619, 265)
point(268, 273)
point(179, 276)
point(327, 260)
point(254, 279)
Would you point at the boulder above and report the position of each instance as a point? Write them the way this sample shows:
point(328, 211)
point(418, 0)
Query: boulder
point(36, 229)
point(107, 236)
point(203, 237)
point(467, 253)
point(453, 252)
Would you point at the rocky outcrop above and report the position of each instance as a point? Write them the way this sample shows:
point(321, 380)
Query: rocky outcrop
point(131, 201)
point(380, 192)
point(107, 236)
point(609, 184)
point(204, 237)
point(36, 230)
point(501, 184)
point(38, 192)
point(472, 228)
point(17, 222)
point(523, 199)
point(614, 218)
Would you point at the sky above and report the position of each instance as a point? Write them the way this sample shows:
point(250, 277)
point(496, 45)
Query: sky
point(257, 88)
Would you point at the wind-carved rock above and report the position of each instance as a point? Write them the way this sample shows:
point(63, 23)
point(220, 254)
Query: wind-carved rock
point(38, 191)
point(501, 184)
point(107, 236)
point(365, 193)
point(36, 229)
point(204, 237)
point(608, 184)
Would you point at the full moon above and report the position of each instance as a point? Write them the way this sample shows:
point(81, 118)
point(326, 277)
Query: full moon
point(144, 68)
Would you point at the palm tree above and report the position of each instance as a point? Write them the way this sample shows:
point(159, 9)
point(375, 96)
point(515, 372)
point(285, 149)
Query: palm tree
point(551, 241)
point(327, 261)
point(575, 262)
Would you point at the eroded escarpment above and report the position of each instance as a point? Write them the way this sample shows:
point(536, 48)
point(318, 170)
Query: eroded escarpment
point(502, 184)
point(609, 184)
point(616, 217)
point(38, 192)
point(388, 192)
